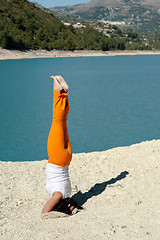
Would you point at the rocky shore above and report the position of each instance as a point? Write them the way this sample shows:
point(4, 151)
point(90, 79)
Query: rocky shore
point(16, 54)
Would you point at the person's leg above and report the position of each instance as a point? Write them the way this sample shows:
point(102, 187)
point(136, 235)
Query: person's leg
point(58, 153)
point(59, 147)
point(66, 135)
point(51, 203)
point(61, 86)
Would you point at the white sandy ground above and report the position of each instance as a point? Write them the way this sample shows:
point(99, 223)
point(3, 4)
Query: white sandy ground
point(15, 54)
point(120, 189)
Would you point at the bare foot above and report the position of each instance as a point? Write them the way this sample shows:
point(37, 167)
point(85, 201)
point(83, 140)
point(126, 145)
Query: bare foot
point(57, 86)
point(62, 82)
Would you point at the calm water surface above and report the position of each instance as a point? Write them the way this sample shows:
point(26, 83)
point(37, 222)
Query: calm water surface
point(115, 101)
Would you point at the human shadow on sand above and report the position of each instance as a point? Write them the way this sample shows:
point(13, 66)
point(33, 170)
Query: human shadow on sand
point(97, 189)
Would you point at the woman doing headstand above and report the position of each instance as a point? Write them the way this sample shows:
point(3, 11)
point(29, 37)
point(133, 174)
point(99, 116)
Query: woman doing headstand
point(59, 148)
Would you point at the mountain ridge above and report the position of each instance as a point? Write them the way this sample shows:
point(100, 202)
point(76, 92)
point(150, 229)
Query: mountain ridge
point(154, 3)
point(109, 3)
point(142, 14)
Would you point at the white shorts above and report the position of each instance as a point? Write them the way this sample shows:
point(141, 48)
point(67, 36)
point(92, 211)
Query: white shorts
point(58, 180)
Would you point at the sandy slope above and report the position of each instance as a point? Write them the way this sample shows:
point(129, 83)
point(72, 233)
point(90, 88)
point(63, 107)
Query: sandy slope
point(119, 189)
point(15, 54)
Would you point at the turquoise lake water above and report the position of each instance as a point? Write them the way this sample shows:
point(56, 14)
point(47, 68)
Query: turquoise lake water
point(115, 101)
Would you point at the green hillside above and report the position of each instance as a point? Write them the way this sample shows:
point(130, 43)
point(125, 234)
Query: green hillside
point(22, 25)
point(25, 26)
